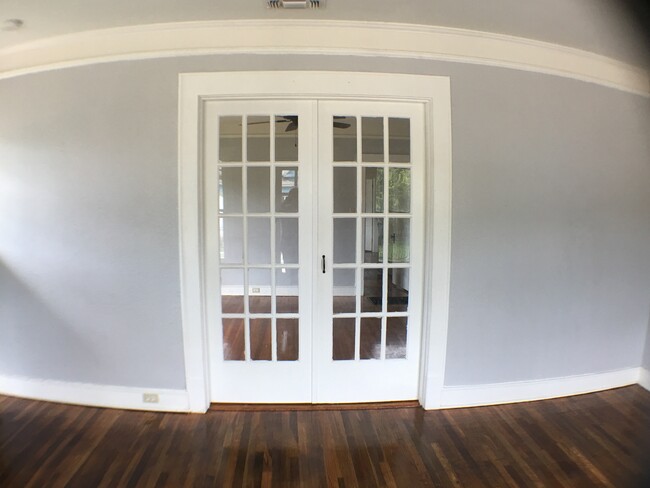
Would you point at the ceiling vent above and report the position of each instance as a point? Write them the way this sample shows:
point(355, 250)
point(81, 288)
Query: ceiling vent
point(294, 3)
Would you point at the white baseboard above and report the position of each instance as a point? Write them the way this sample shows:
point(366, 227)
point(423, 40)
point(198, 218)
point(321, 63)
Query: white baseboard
point(524, 391)
point(124, 397)
point(644, 378)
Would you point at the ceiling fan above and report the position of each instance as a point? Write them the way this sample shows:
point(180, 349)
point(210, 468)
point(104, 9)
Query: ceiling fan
point(292, 120)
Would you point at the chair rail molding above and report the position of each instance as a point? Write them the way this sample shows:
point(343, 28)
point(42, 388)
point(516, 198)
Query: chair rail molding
point(322, 37)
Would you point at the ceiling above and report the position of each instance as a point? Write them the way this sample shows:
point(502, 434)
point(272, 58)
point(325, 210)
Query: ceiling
point(594, 25)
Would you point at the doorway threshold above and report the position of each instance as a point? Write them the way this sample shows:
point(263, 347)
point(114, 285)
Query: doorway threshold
point(309, 407)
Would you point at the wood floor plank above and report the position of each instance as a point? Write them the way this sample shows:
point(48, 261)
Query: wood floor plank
point(600, 439)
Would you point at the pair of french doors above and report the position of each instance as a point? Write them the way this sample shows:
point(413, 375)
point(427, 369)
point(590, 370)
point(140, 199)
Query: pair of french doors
point(313, 248)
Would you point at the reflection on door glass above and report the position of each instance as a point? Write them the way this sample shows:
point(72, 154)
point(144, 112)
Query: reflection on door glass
point(259, 138)
point(233, 339)
point(230, 190)
point(399, 240)
point(231, 240)
point(399, 191)
point(286, 190)
point(373, 280)
point(398, 289)
point(345, 291)
point(230, 138)
point(343, 339)
point(260, 332)
point(345, 190)
point(345, 138)
point(286, 290)
point(373, 240)
point(286, 138)
point(399, 142)
point(396, 337)
point(286, 240)
point(287, 339)
point(259, 190)
point(345, 241)
point(232, 290)
point(259, 290)
point(259, 240)
point(370, 337)
point(373, 190)
point(372, 139)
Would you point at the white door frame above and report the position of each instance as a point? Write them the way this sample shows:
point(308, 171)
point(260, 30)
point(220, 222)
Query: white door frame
point(432, 91)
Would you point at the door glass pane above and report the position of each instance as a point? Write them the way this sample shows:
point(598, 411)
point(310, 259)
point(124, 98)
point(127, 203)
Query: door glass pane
point(370, 346)
point(259, 190)
point(287, 339)
point(344, 293)
point(286, 241)
point(286, 290)
point(372, 290)
point(343, 339)
point(399, 191)
point(259, 240)
point(396, 337)
point(259, 290)
point(232, 290)
point(286, 190)
point(259, 138)
point(345, 138)
point(372, 139)
point(373, 190)
point(373, 240)
point(233, 340)
point(260, 339)
point(399, 142)
point(230, 190)
point(399, 236)
point(345, 190)
point(286, 138)
point(231, 240)
point(398, 289)
point(345, 240)
point(230, 138)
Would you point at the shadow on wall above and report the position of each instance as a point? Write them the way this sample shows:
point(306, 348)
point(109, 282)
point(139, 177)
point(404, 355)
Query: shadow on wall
point(639, 13)
point(37, 342)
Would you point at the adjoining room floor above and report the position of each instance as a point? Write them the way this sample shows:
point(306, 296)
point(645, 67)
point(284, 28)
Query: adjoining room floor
point(600, 439)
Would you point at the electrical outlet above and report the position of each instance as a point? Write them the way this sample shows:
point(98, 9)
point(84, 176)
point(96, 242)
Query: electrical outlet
point(255, 290)
point(150, 398)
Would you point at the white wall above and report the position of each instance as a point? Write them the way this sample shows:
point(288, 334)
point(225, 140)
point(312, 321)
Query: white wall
point(550, 256)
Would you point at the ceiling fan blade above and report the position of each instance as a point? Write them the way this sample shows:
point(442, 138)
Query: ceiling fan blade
point(292, 126)
point(341, 125)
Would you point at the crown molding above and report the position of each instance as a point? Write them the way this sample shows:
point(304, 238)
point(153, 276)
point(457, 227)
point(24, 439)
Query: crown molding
point(321, 38)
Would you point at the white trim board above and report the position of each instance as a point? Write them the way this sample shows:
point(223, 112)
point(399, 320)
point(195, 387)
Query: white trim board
point(644, 378)
point(525, 391)
point(317, 37)
point(107, 396)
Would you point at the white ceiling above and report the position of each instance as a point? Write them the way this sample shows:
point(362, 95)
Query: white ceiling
point(593, 25)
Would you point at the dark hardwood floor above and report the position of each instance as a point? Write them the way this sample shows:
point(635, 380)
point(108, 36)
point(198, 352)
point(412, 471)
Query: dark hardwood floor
point(600, 439)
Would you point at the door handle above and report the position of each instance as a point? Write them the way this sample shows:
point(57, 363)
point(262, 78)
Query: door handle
point(323, 263)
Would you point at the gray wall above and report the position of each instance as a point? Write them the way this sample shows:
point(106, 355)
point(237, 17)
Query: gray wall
point(551, 254)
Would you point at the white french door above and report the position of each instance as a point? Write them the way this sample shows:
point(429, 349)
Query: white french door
point(370, 227)
point(313, 249)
